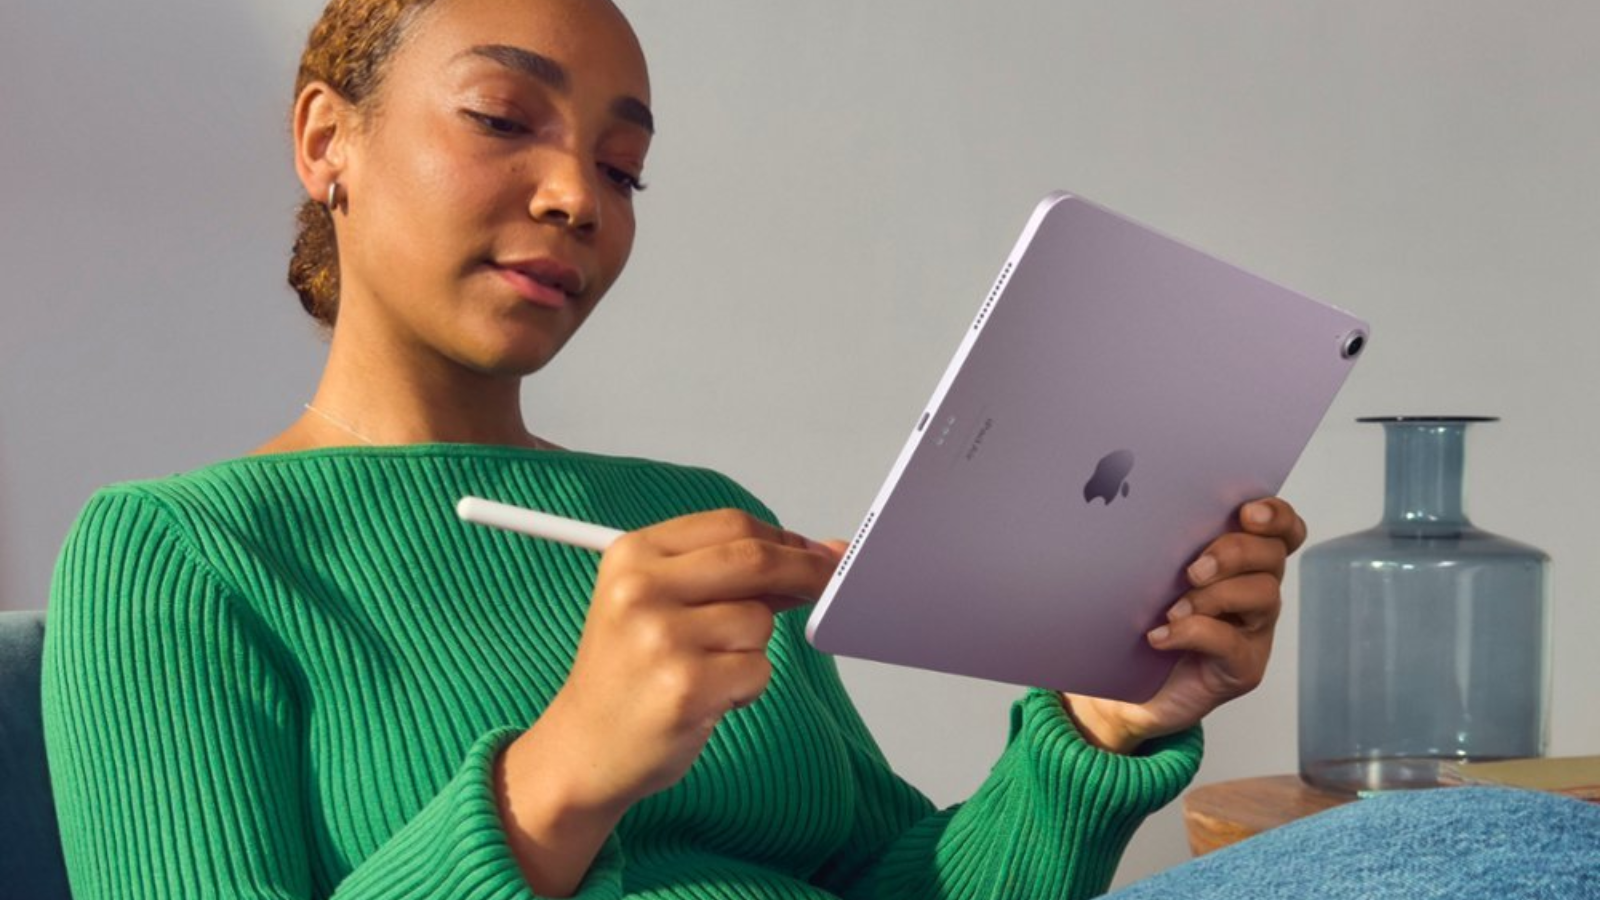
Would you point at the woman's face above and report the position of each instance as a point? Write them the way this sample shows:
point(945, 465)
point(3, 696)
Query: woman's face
point(488, 203)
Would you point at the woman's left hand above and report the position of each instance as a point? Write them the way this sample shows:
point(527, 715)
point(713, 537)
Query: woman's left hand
point(1223, 626)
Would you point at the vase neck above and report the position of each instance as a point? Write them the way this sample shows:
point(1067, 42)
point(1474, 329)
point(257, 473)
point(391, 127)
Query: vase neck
point(1424, 474)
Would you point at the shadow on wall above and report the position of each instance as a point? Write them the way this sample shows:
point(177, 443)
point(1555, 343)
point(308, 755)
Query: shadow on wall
point(149, 195)
point(10, 588)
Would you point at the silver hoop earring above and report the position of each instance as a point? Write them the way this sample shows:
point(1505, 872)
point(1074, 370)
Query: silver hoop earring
point(333, 195)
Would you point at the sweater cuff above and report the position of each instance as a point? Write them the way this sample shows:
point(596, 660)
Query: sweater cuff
point(1135, 784)
point(1100, 797)
point(457, 847)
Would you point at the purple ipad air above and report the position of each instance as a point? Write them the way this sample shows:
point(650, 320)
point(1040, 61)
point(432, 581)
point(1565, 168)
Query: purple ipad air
point(1118, 397)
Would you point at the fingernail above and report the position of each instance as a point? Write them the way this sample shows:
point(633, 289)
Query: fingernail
point(815, 547)
point(1159, 635)
point(1203, 569)
point(1181, 609)
point(1258, 514)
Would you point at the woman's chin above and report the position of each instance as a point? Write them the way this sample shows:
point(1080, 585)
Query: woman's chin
point(507, 359)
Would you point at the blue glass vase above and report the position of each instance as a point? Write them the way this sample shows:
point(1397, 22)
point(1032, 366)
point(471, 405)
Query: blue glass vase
point(1423, 640)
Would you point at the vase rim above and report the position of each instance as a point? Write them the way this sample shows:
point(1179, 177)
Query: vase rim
point(1428, 419)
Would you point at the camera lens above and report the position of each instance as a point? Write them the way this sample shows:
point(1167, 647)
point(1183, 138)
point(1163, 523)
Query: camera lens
point(1354, 343)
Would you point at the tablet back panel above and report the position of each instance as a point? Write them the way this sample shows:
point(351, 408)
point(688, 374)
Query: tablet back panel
point(1119, 396)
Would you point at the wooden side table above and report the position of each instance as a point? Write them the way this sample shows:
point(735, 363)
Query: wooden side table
point(1220, 814)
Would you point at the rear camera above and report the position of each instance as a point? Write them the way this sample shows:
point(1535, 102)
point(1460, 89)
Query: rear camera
point(1353, 344)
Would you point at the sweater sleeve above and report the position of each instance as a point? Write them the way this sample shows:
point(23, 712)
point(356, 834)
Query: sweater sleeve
point(1051, 821)
point(177, 755)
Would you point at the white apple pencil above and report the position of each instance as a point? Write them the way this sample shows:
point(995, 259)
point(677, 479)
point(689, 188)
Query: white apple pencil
point(536, 524)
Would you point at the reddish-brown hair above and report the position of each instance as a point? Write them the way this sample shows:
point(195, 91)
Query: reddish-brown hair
point(349, 50)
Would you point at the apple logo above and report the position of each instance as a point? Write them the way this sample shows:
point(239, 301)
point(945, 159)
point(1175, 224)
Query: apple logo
point(1110, 477)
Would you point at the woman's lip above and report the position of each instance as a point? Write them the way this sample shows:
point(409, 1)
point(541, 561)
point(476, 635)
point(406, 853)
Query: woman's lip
point(533, 290)
point(546, 269)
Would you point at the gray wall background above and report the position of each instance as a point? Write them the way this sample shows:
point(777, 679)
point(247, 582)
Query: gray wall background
point(834, 186)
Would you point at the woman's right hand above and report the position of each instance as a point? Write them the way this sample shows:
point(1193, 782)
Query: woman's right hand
point(676, 638)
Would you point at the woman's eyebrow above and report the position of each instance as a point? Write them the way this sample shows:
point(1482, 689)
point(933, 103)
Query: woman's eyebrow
point(543, 68)
point(632, 109)
point(527, 62)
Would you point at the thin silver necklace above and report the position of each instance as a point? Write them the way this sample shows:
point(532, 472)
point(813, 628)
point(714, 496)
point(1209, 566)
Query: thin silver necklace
point(341, 424)
point(539, 443)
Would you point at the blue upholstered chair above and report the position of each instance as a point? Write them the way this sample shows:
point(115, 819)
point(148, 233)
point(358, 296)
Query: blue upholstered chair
point(30, 844)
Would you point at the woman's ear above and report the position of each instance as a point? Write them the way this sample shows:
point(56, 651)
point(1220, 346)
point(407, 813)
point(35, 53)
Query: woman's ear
point(323, 126)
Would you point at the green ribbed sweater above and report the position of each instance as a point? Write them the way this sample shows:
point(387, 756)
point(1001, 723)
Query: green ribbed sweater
point(288, 676)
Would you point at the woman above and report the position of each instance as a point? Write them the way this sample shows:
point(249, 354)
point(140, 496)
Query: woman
point(295, 675)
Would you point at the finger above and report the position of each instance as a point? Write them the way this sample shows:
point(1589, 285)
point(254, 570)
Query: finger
point(696, 531)
point(738, 626)
point(1273, 517)
point(735, 680)
point(1239, 658)
point(1253, 601)
point(781, 576)
point(1236, 554)
point(695, 692)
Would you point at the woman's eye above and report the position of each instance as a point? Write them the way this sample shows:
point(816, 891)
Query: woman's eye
point(497, 125)
point(623, 180)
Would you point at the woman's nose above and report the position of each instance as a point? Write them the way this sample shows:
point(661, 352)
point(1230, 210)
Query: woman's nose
point(567, 194)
